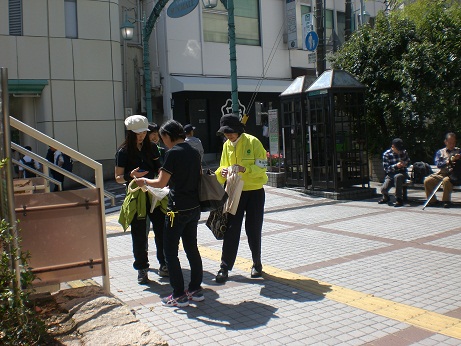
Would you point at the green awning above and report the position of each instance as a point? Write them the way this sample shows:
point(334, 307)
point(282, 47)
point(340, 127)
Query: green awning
point(26, 86)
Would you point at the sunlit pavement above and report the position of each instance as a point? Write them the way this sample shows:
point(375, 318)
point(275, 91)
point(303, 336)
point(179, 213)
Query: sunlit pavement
point(335, 273)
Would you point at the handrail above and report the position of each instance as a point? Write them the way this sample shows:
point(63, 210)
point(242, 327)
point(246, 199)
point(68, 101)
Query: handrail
point(61, 170)
point(98, 172)
point(54, 181)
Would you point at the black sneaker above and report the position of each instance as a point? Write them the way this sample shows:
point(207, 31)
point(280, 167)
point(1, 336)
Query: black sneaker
point(163, 271)
point(446, 205)
point(222, 276)
point(384, 200)
point(398, 203)
point(142, 276)
point(256, 271)
point(180, 302)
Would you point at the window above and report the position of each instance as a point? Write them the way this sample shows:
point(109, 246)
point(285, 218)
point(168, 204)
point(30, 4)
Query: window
point(70, 15)
point(15, 17)
point(246, 16)
point(305, 9)
point(341, 19)
point(329, 30)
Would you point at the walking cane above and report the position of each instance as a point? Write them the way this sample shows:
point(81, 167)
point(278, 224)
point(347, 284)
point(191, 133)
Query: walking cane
point(432, 195)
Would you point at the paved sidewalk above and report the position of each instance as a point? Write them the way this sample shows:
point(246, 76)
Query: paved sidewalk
point(335, 273)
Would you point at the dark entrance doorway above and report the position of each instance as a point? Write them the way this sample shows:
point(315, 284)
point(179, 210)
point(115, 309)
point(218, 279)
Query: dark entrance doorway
point(199, 118)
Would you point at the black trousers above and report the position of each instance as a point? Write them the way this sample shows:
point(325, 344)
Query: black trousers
point(251, 205)
point(139, 237)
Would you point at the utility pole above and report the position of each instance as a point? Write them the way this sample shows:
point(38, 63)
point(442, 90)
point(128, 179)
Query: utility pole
point(319, 16)
point(348, 29)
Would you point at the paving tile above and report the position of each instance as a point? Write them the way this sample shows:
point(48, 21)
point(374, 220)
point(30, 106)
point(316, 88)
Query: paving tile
point(350, 244)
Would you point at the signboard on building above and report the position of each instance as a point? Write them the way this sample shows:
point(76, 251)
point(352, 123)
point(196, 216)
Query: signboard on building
point(227, 108)
point(179, 8)
point(273, 120)
point(307, 26)
point(292, 29)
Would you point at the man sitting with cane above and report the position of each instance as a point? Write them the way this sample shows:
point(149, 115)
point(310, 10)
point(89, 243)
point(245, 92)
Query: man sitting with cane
point(445, 160)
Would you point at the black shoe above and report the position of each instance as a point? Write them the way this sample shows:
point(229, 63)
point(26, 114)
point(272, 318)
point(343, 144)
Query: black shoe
point(222, 276)
point(142, 276)
point(256, 271)
point(434, 203)
point(384, 200)
point(163, 271)
point(446, 205)
point(398, 203)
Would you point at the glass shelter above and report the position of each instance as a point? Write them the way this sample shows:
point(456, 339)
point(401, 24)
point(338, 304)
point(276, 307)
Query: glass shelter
point(293, 120)
point(325, 133)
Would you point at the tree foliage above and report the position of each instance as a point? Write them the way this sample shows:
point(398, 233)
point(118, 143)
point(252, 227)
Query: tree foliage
point(410, 62)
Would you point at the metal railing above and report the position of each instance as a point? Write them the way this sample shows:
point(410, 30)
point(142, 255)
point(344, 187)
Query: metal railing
point(7, 174)
point(48, 165)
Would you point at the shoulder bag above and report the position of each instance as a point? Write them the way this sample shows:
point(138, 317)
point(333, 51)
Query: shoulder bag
point(212, 194)
point(217, 222)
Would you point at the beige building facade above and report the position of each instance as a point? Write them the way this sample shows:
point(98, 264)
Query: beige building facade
point(64, 73)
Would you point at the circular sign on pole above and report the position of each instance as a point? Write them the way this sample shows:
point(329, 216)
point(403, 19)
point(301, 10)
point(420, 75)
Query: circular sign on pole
point(180, 8)
point(312, 41)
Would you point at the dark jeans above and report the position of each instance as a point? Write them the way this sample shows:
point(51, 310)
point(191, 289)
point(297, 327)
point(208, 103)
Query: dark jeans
point(58, 177)
point(139, 236)
point(158, 224)
point(183, 226)
point(396, 180)
point(252, 204)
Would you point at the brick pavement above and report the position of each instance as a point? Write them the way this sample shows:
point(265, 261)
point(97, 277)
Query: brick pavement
point(336, 273)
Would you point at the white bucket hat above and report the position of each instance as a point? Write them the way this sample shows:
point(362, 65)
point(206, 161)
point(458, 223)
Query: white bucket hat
point(137, 123)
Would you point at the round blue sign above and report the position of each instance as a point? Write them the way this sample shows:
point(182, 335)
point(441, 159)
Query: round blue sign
point(312, 41)
point(180, 8)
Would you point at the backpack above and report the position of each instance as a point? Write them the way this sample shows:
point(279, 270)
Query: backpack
point(420, 171)
point(68, 163)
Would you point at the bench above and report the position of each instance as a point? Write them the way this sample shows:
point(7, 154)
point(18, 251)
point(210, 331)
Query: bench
point(411, 184)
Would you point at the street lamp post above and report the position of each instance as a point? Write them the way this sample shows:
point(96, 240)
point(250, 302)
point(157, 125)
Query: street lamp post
point(148, 26)
point(229, 5)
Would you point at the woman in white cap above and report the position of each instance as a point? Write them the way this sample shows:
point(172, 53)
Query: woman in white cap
point(138, 157)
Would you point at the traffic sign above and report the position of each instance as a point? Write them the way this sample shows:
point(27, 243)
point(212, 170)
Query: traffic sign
point(312, 41)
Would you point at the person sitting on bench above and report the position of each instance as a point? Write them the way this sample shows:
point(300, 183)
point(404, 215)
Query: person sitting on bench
point(444, 160)
point(395, 163)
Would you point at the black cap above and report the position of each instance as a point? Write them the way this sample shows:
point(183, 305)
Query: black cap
point(230, 123)
point(188, 128)
point(398, 144)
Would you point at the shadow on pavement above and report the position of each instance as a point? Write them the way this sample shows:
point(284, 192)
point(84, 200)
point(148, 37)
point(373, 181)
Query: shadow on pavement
point(244, 315)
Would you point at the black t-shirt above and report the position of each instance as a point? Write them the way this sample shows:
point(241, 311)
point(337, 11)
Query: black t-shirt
point(183, 163)
point(140, 159)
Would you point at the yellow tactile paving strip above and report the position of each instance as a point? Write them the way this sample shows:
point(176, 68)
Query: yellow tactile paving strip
point(417, 317)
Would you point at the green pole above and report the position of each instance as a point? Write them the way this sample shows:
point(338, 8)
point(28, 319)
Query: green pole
point(232, 56)
point(147, 30)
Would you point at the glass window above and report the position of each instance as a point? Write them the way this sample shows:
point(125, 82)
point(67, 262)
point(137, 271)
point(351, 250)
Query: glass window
point(329, 29)
point(70, 15)
point(305, 9)
point(15, 17)
point(341, 19)
point(246, 16)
